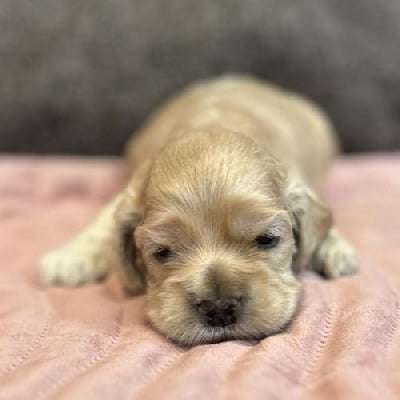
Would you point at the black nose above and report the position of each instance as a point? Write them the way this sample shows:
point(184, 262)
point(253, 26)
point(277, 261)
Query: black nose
point(219, 312)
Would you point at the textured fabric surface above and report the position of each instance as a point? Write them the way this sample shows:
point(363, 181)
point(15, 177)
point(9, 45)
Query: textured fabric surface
point(78, 76)
point(92, 342)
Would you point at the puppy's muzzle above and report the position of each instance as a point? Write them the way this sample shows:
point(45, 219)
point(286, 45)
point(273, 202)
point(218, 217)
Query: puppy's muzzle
point(220, 312)
point(217, 298)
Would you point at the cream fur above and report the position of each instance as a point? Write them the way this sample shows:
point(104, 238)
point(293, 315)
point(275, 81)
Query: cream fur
point(223, 162)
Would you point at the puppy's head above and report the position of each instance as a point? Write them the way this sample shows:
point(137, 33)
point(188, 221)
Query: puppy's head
point(221, 236)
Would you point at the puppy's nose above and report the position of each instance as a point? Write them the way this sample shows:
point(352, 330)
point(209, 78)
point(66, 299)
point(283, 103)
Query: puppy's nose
point(220, 312)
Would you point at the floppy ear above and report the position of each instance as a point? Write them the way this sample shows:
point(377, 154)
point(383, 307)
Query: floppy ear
point(129, 265)
point(311, 222)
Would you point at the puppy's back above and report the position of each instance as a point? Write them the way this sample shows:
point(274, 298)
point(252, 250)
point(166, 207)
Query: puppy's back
point(285, 125)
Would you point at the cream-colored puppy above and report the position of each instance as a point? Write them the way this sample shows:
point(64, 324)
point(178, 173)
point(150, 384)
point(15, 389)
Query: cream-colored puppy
point(219, 215)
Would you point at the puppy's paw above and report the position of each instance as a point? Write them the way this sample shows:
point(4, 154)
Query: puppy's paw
point(335, 257)
point(74, 266)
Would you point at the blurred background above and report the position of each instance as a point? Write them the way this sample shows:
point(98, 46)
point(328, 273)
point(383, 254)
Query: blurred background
point(78, 76)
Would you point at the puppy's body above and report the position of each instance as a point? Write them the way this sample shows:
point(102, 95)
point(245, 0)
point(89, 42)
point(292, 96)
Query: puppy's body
point(221, 207)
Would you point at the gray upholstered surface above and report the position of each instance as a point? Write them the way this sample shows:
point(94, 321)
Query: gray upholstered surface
point(78, 76)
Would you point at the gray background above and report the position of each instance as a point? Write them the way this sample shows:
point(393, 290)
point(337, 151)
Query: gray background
point(78, 76)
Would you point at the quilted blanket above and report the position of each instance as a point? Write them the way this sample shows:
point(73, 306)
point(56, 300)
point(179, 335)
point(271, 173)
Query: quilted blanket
point(93, 342)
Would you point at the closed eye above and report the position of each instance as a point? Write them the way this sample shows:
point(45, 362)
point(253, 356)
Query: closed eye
point(162, 254)
point(266, 241)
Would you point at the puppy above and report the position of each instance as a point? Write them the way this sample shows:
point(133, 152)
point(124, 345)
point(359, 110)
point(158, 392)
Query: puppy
point(220, 214)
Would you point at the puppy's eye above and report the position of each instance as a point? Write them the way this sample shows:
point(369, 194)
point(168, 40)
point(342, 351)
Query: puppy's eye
point(162, 254)
point(267, 241)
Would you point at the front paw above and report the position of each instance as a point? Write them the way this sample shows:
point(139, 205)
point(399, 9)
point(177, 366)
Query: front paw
point(73, 266)
point(335, 257)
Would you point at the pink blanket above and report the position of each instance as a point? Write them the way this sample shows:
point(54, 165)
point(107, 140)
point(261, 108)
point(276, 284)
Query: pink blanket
point(92, 342)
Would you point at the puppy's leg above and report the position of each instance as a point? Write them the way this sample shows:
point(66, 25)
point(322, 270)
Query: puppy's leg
point(88, 257)
point(334, 257)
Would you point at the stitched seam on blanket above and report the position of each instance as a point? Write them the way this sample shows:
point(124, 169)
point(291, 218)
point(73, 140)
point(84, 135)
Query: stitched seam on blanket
point(53, 387)
point(21, 360)
point(326, 332)
point(388, 338)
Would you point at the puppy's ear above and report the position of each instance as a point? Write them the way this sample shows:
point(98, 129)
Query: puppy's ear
point(129, 264)
point(311, 222)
